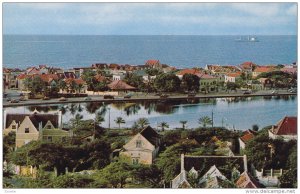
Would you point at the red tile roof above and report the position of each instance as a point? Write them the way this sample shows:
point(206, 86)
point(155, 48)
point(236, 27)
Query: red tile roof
point(189, 71)
point(248, 135)
point(248, 65)
point(120, 85)
point(237, 74)
point(206, 76)
point(263, 69)
point(286, 126)
point(48, 77)
point(289, 70)
point(152, 62)
point(77, 81)
point(22, 76)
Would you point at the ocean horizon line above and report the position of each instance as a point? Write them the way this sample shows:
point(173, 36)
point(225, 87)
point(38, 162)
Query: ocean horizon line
point(150, 34)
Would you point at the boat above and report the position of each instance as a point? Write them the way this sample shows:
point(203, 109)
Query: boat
point(248, 39)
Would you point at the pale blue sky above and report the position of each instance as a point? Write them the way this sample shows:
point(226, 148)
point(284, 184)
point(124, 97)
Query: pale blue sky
point(150, 18)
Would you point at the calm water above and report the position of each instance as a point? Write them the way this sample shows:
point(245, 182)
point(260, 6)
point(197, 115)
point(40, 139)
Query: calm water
point(179, 51)
point(237, 113)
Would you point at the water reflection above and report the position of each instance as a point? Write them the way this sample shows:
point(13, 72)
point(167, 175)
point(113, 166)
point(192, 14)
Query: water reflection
point(241, 112)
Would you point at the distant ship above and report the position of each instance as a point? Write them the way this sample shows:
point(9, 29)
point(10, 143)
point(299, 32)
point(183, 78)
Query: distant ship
point(248, 39)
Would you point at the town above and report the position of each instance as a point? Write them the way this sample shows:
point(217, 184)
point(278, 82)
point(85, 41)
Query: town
point(40, 151)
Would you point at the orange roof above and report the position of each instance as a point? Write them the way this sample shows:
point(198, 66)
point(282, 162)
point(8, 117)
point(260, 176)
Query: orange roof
point(237, 74)
point(286, 126)
point(263, 69)
point(189, 71)
point(77, 81)
point(248, 135)
point(120, 85)
point(22, 76)
point(248, 65)
point(152, 62)
point(48, 77)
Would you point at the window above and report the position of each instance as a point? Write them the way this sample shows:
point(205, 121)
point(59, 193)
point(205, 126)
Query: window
point(26, 130)
point(48, 126)
point(63, 139)
point(49, 139)
point(135, 161)
point(13, 126)
point(138, 143)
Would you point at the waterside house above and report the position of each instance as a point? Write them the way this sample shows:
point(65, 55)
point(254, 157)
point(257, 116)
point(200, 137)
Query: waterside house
point(143, 147)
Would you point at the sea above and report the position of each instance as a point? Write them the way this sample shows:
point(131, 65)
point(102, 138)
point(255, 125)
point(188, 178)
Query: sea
point(68, 51)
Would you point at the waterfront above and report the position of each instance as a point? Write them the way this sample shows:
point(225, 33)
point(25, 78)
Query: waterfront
point(238, 113)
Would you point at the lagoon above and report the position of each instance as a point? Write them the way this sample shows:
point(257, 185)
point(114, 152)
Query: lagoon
point(234, 113)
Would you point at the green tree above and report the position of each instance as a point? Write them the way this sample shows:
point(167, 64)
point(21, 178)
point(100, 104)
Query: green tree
point(255, 127)
point(183, 124)
point(167, 82)
point(114, 175)
point(8, 144)
point(98, 154)
point(163, 125)
point(232, 86)
point(72, 181)
point(204, 121)
point(134, 80)
point(142, 122)
point(76, 121)
point(191, 82)
point(62, 85)
point(149, 176)
point(289, 179)
point(119, 121)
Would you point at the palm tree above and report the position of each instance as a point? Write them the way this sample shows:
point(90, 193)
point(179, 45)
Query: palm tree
point(120, 121)
point(205, 121)
point(76, 120)
point(183, 124)
point(99, 118)
point(62, 85)
point(142, 122)
point(163, 125)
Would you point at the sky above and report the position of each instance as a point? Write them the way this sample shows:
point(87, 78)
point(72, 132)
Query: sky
point(150, 18)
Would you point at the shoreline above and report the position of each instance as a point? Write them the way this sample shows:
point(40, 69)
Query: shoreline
point(137, 99)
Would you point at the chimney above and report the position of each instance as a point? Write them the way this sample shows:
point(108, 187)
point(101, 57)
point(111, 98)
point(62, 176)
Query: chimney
point(245, 163)
point(182, 163)
point(40, 126)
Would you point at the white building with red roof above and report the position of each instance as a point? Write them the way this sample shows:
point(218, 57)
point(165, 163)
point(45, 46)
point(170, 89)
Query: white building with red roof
point(231, 77)
point(153, 63)
point(286, 129)
point(262, 69)
point(247, 136)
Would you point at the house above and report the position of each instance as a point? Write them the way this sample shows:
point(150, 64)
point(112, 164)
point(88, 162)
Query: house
point(143, 147)
point(36, 126)
point(75, 85)
point(182, 72)
point(247, 136)
point(118, 76)
point(119, 85)
point(153, 63)
point(268, 177)
point(290, 70)
point(266, 82)
point(213, 178)
point(261, 69)
point(247, 66)
point(209, 83)
point(286, 129)
point(231, 77)
point(10, 78)
point(203, 167)
point(246, 181)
